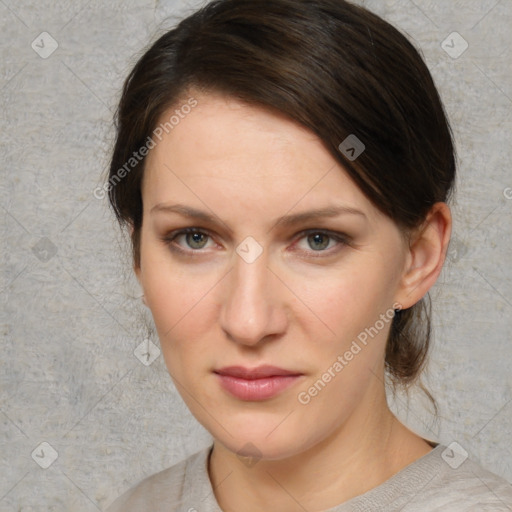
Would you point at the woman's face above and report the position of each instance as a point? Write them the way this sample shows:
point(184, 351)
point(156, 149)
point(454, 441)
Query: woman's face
point(286, 263)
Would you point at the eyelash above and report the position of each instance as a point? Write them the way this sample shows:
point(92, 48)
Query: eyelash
point(341, 238)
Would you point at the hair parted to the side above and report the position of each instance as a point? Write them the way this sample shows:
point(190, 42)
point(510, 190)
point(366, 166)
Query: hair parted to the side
point(329, 65)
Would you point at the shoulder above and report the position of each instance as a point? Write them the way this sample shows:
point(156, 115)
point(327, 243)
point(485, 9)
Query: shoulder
point(460, 486)
point(169, 489)
point(442, 480)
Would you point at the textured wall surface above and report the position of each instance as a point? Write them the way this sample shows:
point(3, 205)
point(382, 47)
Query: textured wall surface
point(81, 417)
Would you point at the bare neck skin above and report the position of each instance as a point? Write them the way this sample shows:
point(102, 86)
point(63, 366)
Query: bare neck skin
point(370, 448)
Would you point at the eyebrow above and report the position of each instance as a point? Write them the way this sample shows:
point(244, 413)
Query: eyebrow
point(284, 221)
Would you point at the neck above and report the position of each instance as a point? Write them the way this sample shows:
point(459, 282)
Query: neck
point(363, 453)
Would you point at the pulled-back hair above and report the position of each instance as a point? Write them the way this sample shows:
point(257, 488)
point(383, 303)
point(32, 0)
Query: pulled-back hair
point(329, 65)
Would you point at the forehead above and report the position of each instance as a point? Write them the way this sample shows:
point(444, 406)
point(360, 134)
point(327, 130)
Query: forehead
point(224, 149)
point(220, 127)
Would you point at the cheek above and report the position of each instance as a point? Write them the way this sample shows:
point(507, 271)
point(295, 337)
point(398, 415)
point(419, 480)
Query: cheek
point(348, 300)
point(342, 342)
point(181, 320)
point(182, 305)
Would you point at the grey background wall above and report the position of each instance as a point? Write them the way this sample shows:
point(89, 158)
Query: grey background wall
point(72, 319)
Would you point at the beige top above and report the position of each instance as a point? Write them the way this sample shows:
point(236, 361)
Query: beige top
point(438, 481)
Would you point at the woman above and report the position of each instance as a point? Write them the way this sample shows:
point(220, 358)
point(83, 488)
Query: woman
point(284, 168)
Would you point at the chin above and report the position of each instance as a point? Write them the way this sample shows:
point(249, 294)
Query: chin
point(264, 442)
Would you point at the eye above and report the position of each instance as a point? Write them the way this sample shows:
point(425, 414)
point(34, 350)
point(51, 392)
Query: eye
point(321, 241)
point(193, 240)
point(186, 239)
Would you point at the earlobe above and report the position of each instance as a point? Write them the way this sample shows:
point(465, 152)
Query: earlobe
point(427, 253)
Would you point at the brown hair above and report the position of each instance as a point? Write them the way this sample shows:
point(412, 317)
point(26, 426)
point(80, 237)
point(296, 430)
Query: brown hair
point(331, 66)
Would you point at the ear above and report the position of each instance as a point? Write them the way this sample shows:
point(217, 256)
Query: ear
point(426, 255)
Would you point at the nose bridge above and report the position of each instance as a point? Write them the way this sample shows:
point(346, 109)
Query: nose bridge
point(250, 310)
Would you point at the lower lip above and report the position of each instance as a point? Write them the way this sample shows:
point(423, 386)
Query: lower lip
point(257, 389)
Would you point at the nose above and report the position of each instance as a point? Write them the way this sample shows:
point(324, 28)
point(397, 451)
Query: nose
point(252, 308)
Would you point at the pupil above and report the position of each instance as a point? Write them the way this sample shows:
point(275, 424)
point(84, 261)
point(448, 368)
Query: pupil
point(196, 240)
point(319, 241)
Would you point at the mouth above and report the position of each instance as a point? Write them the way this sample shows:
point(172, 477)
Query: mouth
point(256, 384)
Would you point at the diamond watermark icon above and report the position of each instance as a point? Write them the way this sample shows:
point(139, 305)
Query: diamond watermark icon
point(44, 45)
point(249, 460)
point(351, 147)
point(454, 455)
point(456, 250)
point(454, 45)
point(146, 352)
point(249, 250)
point(44, 250)
point(45, 455)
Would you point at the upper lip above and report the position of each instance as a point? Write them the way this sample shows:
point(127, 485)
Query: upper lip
point(259, 372)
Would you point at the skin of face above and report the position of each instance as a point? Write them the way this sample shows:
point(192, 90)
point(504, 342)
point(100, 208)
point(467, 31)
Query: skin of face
point(299, 305)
